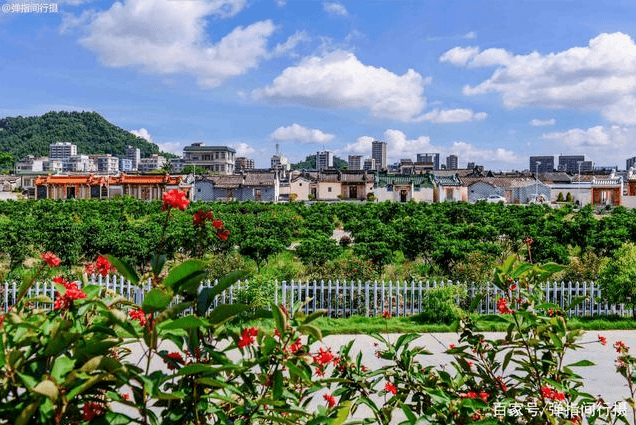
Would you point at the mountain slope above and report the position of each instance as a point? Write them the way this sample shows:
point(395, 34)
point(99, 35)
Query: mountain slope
point(22, 136)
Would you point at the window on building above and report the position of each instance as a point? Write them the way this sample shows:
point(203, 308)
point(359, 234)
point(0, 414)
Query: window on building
point(328, 189)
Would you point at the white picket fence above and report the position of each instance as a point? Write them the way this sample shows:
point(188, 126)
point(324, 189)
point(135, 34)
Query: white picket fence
point(347, 298)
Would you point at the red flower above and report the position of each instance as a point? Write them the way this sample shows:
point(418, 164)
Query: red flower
point(320, 372)
point(451, 346)
point(277, 333)
point(470, 394)
point(483, 395)
point(323, 357)
point(72, 292)
point(621, 347)
point(390, 388)
point(138, 315)
point(199, 217)
point(504, 388)
point(502, 306)
point(551, 394)
point(296, 346)
point(223, 234)
point(247, 337)
point(125, 396)
point(386, 314)
point(1, 319)
point(90, 269)
point(602, 340)
point(92, 409)
point(331, 401)
point(218, 224)
point(175, 199)
point(51, 259)
point(528, 241)
point(103, 266)
point(513, 287)
point(173, 360)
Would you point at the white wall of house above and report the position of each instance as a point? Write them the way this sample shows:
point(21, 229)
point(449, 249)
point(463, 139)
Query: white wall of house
point(328, 191)
point(301, 187)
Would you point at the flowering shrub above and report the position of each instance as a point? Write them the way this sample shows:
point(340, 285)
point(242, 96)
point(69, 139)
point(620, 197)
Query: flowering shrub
point(68, 363)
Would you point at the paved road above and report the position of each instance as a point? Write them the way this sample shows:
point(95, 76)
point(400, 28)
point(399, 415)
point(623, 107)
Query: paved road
point(600, 379)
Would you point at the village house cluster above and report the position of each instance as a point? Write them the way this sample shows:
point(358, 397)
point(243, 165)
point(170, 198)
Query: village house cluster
point(67, 175)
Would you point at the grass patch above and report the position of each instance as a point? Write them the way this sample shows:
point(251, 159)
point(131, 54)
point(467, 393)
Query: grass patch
point(366, 325)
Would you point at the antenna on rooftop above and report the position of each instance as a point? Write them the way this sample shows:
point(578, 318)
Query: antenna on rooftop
point(276, 148)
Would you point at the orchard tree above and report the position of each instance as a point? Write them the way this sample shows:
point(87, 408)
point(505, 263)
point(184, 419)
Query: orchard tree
point(618, 277)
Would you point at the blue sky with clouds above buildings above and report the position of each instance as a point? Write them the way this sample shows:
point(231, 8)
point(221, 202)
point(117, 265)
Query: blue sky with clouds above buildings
point(490, 81)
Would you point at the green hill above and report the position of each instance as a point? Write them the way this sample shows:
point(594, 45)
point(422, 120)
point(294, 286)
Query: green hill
point(310, 163)
point(22, 136)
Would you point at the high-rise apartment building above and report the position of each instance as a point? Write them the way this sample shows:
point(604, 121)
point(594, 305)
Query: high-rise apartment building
point(378, 153)
point(243, 163)
point(546, 164)
point(134, 154)
point(429, 158)
point(217, 159)
point(324, 160)
point(355, 162)
point(369, 164)
point(631, 162)
point(61, 150)
point(153, 162)
point(452, 162)
point(570, 163)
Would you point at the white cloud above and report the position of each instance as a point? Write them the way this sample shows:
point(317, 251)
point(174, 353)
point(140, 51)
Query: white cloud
point(334, 8)
point(298, 133)
point(340, 80)
point(143, 133)
point(451, 116)
point(600, 76)
point(170, 37)
point(400, 146)
point(598, 136)
point(459, 55)
point(280, 3)
point(242, 149)
point(542, 123)
point(290, 44)
point(470, 35)
point(473, 153)
point(172, 147)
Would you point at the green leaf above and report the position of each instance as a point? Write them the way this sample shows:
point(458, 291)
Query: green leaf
point(25, 416)
point(280, 318)
point(157, 263)
point(124, 269)
point(47, 388)
point(277, 387)
point(155, 300)
point(315, 315)
point(187, 322)
point(61, 367)
point(310, 330)
point(226, 281)
point(92, 291)
point(225, 312)
point(188, 275)
point(343, 413)
point(581, 363)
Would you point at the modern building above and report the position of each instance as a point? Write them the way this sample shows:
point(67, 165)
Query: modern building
point(79, 164)
point(470, 165)
point(133, 154)
point(215, 159)
point(153, 162)
point(369, 164)
point(429, 158)
point(53, 166)
point(631, 162)
point(61, 150)
point(242, 163)
point(355, 162)
point(126, 165)
point(570, 163)
point(30, 163)
point(324, 159)
point(378, 153)
point(452, 162)
point(545, 164)
point(107, 163)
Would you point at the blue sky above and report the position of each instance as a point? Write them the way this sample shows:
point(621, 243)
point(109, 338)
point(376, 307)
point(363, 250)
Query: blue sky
point(490, 81)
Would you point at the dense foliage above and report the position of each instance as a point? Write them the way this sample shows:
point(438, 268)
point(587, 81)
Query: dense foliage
point(389, 240)
point(70, 362)
point(22, 136)
point(310, 163)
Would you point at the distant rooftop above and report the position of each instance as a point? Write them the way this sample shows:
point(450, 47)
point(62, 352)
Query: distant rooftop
point(202, 147)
